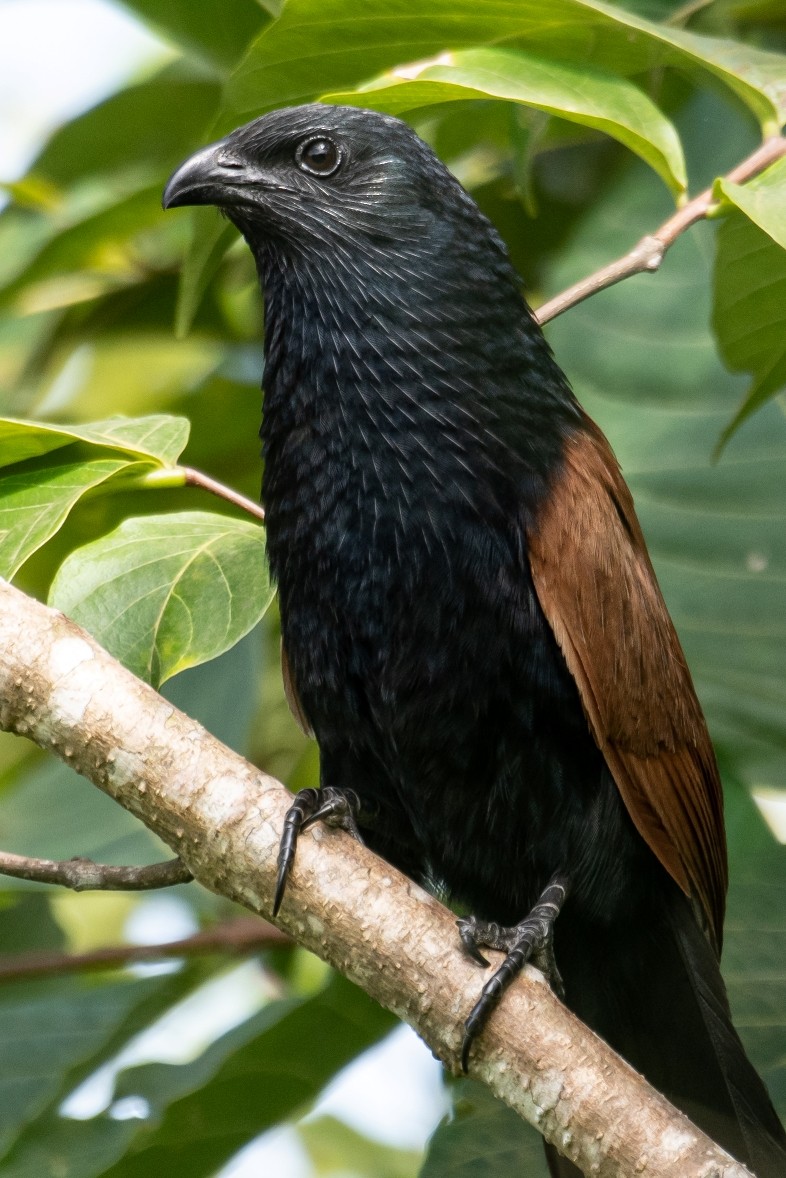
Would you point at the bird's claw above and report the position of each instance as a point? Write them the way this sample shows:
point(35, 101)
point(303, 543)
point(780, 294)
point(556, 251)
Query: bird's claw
point(530, 941)
point(336, 807)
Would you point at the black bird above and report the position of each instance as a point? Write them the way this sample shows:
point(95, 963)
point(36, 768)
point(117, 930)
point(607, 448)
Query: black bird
point(472, 628)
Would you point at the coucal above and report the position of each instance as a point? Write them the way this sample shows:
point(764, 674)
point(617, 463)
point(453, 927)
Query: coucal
point(472, 628)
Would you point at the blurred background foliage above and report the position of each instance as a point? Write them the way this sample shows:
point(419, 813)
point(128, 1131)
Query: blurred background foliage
point(575, 125)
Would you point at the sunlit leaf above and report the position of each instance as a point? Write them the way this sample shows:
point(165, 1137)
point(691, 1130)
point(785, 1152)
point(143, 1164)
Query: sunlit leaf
point(215, 33)
point(97, 244)
point(582, 95)
point(334, 1148)
point(163, 593)
point(36, 497)
point(315, 47)
point(749, 313)
point(133, 128)
point(761, 199)
point(158, 436)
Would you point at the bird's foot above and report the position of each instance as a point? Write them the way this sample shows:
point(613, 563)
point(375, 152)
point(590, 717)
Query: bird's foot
point(336, 807)
point(530, 941)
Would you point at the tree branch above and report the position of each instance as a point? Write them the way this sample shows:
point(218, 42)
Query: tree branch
point(246, 934)
point(223, 818)
point(648, 254)
point(84, 875)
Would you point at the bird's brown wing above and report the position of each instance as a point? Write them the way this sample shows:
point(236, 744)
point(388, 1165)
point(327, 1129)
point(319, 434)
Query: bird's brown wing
point(597, 588)
point(293, 699)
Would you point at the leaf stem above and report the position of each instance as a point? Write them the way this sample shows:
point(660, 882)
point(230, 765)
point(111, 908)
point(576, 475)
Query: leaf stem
point(195, 478)
point(648, 253)
point(186, 476)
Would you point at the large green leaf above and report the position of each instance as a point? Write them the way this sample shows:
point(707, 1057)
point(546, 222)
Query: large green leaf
point(54, 1034)
point(316, 46)
point(133, 128)
point(761, 199)
point(210, 238)
point(755, 943)
point(202, 1112)
point(483, 1138)
point(579, 94)
point(216, 33)
point(163, 593)
point(158, 436)
point(749, 314)
point(95, 247)
point(36, 497)
point(44, 472)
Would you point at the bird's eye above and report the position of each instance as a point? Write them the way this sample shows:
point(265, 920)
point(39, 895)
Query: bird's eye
point(320, 156)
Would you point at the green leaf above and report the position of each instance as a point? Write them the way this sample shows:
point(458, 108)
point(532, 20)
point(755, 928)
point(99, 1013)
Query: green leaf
point(238, 1088)
point(55, 1032)
point(749, 312)
point(216, 33)
point(581, 95)
point(50, 813)
point(96, 246)
point(157, 436)
point(163, 593)
point(36, 497)
point(483, 1138)
point(755, 942)
point(314, 47)
point(334, 1149)
point(761, 200)
point(133, 128)
point(210, 238)
point(202, 1112)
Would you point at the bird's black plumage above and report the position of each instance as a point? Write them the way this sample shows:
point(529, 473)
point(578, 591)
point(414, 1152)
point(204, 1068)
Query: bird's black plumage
point(417, 433)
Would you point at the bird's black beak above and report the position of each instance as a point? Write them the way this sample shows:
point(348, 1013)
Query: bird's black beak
point(204, 178)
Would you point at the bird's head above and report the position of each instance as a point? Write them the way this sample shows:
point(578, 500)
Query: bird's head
point(313, 175)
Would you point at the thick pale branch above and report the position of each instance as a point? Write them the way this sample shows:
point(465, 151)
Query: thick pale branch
point(648, 254)
point(246, 934)
point(223, 818)
point(83, 875)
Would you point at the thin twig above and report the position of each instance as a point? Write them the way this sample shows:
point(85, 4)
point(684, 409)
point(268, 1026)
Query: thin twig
point(83, 875)
point(244, 935)
point(195, 478)
point(648, 254)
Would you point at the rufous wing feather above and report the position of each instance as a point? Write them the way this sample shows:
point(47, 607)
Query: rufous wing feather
point(598, 590)
point(293, 699)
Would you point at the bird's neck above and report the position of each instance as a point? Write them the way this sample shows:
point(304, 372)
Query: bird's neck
point(404, 394)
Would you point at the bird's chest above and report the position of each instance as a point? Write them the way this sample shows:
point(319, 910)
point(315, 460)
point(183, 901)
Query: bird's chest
point(374, 593)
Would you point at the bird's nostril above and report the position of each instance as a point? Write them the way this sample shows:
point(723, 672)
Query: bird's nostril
point(230, 162)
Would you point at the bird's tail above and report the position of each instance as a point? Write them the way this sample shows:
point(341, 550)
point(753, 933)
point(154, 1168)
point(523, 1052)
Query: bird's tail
point(661, 1003)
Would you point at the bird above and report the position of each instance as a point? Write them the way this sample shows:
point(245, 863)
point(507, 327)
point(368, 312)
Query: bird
point(472, 628)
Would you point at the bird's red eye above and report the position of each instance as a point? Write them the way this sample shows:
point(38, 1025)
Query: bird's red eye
point(320, 156)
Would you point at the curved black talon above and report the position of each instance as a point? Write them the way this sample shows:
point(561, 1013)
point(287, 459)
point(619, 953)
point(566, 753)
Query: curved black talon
point(305, 803)
point(336, 807)
point(468, 927)
point(531, 940)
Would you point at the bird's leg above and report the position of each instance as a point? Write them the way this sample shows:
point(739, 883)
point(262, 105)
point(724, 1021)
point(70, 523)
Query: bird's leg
point(337, 807)
point(530, 941)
